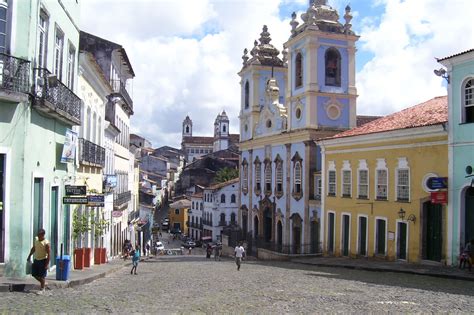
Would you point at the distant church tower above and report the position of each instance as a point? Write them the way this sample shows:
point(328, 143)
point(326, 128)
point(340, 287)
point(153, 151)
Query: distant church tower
point(187, 127)
point(221, 132)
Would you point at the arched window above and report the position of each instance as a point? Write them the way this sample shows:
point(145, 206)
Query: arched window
point(268, 177)
point(247, 95)
point(258, 176)
point(332, 62)
point(232, 218)
point(222, 198)
point(187, 129)
point(278, 176)
point(468, 101)
point(245, 176)
point(232, 198)
point(192, 207)
point(298, 177)
point(223, 129)
point(89, 124)
point(222, 219)
point(298, 70)
point(201, 206)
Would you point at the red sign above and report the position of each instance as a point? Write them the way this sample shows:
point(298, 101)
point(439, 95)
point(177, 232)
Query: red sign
point(439, 197)
point(116, 214)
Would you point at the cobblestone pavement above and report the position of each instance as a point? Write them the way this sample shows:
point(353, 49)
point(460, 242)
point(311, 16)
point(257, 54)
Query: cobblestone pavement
point(192, 284)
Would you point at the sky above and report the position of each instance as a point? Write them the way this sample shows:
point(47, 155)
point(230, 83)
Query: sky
point(186, 54)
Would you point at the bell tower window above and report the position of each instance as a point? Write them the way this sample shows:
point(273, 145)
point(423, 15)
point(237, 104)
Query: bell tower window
point(247, 95)
point(298, 70)
point(332, 62)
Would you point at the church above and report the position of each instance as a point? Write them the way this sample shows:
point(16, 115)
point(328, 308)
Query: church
point(194, 147)
point(287, 103)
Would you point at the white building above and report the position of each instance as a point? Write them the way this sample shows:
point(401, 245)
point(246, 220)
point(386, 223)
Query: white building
point(195, 216)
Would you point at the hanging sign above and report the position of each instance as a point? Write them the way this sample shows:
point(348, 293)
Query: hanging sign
point(437, 183)
point(439, 197)
point(75, 200)
point(69, 148)
point(75, 190)
point(95, 200)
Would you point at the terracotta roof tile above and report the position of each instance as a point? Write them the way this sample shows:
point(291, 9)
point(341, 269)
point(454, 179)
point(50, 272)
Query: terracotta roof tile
point(362, 120)
point(432, 112)
point(220, 185)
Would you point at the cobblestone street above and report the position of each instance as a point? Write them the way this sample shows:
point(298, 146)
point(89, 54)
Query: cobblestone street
point(178, 284)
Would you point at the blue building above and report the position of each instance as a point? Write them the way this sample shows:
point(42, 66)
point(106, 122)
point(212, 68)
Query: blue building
point(286, 104)
point(460, 77)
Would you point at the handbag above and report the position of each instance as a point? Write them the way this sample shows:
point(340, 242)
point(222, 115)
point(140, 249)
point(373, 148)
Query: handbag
point(28, 267)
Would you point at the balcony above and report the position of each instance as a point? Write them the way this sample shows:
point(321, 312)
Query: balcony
point(121, 91)
point(222, 223)
point(14, 75)
point(55, 99)
point(91, 154)
point(121, 199)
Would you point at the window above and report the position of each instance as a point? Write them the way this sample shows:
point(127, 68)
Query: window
point(317, 187)
point(222, 198)
point(268, 177)
point(42, 39)
point(346, 183)
point(223, 128)
point(176, 211)
point(232, 198)
point(192, 207)
point(258, 176)
point(381, 184)
point(232, 218)
point(201, 206)
point(332, 183)
point(245, 176)
point(469, 102)
point(58, 54)
point(380, 236)
point(298, 70)
point(403, 185)
point(222, 219)
point(269, 123)
point(278, 176)
point(3, 27)
point(298, 113)
point(71, 57)
point(297, 176)
point(247, 95)
point(363, 184)
point(332, 61)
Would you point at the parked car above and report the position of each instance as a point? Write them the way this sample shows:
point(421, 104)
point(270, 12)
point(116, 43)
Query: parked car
point(159, 246)
point(189, 244)
point(175, 230)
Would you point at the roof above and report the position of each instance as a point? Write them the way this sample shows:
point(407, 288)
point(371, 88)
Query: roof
point(181, 204)
point(220, 185)
point(455, 55)
point(431, 112)
point(197, 195)
point(362, 120)
point(198, 140)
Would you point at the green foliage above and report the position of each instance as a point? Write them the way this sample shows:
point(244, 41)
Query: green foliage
point(226, 174)
point(80, 225)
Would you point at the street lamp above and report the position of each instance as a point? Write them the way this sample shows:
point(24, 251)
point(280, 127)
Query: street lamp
point(401, 215)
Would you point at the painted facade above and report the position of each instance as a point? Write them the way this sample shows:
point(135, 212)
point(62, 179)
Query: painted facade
point(39, 34)
point(376, 195)
point(286, 104)
point(178, 215)
point(220, 208)
point(460, 75)
point(195, 216)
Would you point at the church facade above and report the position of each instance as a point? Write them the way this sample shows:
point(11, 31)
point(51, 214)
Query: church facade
point(194, 147)
point(286, 104)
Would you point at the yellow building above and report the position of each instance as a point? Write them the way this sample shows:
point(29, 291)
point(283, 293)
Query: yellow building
point(178, 215)
point(377, 192)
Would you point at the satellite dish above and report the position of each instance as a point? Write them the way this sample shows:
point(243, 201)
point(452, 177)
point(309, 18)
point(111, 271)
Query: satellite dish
point(469, 170)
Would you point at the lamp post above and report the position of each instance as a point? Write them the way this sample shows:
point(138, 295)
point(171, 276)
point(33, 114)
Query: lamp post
point(401, 215)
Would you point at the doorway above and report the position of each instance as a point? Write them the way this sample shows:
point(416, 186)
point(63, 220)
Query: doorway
point(2, 207)
point(37, 205)
point(54, 224)
point(267, 224)
point(468, 215)
point(255, 227)
point(315, 236)
point(331, 221)
point(402, 240)
point(362, 236)
point(432, 231)
point(279, 236)
point(346, 221)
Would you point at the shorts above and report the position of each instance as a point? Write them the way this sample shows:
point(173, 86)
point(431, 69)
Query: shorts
point(38, 269)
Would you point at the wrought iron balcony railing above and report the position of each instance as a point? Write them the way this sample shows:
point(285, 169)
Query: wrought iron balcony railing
point(121, 199)
point(14, 74)
point(91, 153)
point(119, 87)
point(56, 99)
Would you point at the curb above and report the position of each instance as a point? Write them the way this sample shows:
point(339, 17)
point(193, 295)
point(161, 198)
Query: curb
point(379, 269)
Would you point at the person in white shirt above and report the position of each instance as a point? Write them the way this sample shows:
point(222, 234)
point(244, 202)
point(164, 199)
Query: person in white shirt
point(239, 252)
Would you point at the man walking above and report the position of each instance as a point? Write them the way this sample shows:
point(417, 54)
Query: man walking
point(239, 252)
point(41, 253)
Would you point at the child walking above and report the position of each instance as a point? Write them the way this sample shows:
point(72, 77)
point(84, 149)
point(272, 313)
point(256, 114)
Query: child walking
point(135, 260)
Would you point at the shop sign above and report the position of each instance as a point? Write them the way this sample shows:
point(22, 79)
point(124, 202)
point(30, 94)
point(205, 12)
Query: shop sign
point(116, 214)
point(75, 200)
point(75, 190)
point(437, 183)
point(439, 197)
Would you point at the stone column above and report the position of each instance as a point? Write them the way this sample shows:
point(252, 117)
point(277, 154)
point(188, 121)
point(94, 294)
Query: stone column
point(250, 191)
point(306, 192)
point(287, 195)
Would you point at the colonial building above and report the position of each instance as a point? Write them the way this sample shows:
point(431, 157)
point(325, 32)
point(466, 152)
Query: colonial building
point(286, 104)
point(38, 108)
point(460, 78)
point(194, 147)
point(195, 216)
point(118, 72)
point(377, 193)
point(220, 208)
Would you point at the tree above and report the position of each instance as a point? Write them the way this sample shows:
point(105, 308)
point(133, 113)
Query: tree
point(226, 174)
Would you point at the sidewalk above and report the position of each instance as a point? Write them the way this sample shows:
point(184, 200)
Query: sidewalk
point(76, 277)
point(387, 266)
